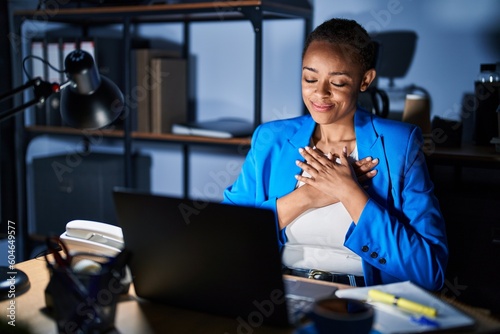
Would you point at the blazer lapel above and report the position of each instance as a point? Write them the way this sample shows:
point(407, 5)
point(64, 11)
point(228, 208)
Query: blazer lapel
point(370, 143)
point(283, 175)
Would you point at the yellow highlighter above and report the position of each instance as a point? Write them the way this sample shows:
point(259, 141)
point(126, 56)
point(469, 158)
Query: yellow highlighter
point(402, 303)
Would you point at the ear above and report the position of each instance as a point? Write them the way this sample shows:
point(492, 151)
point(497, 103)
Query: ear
point(368, 77)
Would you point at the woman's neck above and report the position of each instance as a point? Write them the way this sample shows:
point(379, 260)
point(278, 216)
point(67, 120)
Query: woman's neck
point(333, 138)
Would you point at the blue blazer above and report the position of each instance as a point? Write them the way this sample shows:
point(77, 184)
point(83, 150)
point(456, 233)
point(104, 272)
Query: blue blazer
point(401, 232)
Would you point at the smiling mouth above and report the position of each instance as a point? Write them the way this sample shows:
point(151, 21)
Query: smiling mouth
point(322, 107)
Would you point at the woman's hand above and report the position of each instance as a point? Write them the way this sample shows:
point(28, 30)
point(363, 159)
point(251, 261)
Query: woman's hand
point(316, 162)
point(338, 179)
point(364, 170)
point(313, 194)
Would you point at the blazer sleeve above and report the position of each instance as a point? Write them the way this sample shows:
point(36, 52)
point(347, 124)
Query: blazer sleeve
point(250, 187)
point(408, 241)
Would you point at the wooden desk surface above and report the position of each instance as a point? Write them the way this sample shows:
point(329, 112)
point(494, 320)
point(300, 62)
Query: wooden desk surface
point(138, 316)
point(133, 314)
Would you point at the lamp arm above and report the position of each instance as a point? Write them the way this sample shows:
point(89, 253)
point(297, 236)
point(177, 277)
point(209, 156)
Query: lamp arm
point(42, 90)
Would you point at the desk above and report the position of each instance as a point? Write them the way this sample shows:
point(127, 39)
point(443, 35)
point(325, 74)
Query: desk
point(133, 314)
point(139, 316)
point(466, 181)
point(468, 155)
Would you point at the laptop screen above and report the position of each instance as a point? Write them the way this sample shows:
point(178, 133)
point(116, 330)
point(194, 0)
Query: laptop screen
point(205, 256)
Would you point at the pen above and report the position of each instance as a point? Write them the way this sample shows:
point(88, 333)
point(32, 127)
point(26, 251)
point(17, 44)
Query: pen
point(404, 304)
point(424, 321)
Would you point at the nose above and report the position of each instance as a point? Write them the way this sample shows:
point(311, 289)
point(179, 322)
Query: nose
point(323, 88)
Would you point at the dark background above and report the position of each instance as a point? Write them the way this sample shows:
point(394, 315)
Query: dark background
point(7, 164)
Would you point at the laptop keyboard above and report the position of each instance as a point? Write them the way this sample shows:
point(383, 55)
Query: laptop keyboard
point(297, 306)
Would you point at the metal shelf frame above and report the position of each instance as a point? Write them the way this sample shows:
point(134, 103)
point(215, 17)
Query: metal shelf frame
point(127, 16)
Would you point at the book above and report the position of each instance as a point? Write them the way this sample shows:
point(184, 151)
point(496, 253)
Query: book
point(140, 101)
point(391, 319)
point(53, 102)
point(38, 70)
point(168, 93)
point(48, 69)
point(217, 128)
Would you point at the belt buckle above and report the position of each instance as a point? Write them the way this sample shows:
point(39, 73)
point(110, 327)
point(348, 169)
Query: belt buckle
point(313, 273)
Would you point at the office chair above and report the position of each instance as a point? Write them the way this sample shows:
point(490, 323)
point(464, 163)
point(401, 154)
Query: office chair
point(375, 99)
point(395, 51)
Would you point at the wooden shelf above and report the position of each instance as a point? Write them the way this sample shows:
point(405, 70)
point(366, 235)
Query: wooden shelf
point(165, 137)
point(61, 130)
point(191, 139)
point(204, 11)
point(128, 17)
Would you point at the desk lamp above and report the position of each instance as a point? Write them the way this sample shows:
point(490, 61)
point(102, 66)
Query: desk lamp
point(88, 101)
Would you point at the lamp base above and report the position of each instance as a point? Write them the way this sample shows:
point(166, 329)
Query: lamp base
point(13, 282)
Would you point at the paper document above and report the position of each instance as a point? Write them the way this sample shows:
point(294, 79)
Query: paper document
point(391, 319)
point(218, 128)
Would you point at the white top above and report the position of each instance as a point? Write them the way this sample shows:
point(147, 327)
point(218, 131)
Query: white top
point(316, 239)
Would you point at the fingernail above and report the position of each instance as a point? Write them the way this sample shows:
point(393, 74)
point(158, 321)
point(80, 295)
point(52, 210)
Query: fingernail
point(375, 160)
point(297, 162)
point(368, 158)
point(344, 149)
point(307, 148)
point(301, 150)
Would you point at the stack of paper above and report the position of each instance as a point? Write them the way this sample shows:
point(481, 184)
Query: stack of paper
point(218, 128)
point(391, 319)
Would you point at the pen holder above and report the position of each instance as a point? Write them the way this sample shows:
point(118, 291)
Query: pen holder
point(83, 294)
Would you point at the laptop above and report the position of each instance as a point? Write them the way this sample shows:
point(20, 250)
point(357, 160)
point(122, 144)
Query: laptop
point(210, 257)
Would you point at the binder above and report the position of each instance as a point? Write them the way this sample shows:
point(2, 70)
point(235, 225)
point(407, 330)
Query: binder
point(168, 93)
point(142, 85)
point(52, 105)
point(37, 113)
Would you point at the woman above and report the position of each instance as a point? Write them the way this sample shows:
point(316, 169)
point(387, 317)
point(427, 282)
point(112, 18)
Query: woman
point(339, 218)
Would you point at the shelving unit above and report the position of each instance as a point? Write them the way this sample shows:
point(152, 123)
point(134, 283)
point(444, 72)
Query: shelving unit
point(224, 11)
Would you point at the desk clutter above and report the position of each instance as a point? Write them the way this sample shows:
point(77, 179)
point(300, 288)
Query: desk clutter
point(436, 313)
point(487, 104)
point(83, 289)
point(138, 315)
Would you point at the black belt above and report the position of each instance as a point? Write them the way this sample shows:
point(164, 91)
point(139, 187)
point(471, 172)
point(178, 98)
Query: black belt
point(326, 276)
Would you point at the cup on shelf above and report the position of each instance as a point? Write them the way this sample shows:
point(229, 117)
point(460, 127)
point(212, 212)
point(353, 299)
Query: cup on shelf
point(417, 110)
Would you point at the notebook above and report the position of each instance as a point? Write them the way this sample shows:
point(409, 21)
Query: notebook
point(210, 257)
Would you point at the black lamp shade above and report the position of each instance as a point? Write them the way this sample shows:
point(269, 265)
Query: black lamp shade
point(93, 111)
point(91, 101)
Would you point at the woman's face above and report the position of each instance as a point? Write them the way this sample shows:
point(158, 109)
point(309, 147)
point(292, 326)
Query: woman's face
point(331, 81)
